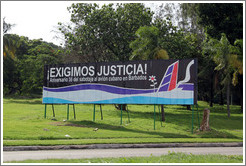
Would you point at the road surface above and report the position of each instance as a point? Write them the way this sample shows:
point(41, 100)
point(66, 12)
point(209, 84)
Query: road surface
point(125, 152)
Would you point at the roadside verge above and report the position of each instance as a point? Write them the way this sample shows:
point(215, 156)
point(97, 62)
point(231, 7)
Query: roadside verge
point(118, 146)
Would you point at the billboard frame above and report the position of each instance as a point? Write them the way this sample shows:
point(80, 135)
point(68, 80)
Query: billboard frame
point(194, 100)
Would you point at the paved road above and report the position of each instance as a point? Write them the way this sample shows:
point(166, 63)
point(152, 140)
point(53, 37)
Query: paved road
point(126, 152)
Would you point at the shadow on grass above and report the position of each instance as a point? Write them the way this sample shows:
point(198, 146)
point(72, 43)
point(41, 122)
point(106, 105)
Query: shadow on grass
point(215, 134)
point(223, 122)
point(123, 129)
point(184, 119)
point(26, 101)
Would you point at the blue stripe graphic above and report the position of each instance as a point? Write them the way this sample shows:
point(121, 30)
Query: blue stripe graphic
point(111, 89)
point(101, 87)
point(128, 100)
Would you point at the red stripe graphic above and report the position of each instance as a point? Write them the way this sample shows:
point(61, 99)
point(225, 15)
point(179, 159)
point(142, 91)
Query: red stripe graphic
point(174, 77)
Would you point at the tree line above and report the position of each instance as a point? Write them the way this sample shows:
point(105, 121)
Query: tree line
point(211, 32)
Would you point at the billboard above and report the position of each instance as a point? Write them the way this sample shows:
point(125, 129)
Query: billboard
point(132, 82)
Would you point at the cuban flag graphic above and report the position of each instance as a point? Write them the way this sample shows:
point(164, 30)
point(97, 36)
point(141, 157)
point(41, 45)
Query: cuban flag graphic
point(169, 80)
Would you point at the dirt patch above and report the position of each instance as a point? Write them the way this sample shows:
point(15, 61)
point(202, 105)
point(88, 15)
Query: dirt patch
point(67, 124)
point(74, 125)
point(56, 123)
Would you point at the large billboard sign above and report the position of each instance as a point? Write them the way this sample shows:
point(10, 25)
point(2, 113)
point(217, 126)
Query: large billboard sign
point(132, 82)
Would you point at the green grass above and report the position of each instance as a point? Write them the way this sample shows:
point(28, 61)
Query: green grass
point(24, 124)
point(170, 158)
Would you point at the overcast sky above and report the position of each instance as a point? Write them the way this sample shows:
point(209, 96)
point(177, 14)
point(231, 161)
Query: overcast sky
point(35, 19)
point(38, 19)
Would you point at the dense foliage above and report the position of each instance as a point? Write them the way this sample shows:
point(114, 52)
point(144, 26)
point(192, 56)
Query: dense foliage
point(23, 72)
point(103, 34)
point(220, 18)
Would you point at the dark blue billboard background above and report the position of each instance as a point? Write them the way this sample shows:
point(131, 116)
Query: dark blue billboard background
point(133, 82)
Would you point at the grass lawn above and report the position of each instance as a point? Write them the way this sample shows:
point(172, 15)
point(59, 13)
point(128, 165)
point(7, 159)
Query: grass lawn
point(24, 124)
point(170, 158)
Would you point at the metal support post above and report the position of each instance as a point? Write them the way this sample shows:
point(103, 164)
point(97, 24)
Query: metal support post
point(101, 112)
point(198, 114)
point(128, 114)
point(53, 110)
point(74, 115)
point(68, 112)
point(94, 113)
point(160, 114)
point(154, 116)
point(192, 119)
point(45, 110)
point(121, 115)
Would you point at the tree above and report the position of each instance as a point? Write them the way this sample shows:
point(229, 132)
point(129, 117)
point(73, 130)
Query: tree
point(6, 26)
point(32, 74)
point(38, 54)
point(146, 45)
point(177, 43)
point(167, 11)
point(237, 64)
point(206, 79)
point(187, 43)
point(102, 34)
point(9, 45)
point(217, 18)
point(189, 12)
point(220, 18)
point(23, 72)
point(237, 60)
point(9, 67)
point(222, 56)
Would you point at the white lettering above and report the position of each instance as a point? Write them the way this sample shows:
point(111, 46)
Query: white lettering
point(91, 70)
point(127, 69)
point(67, 71)
point(140, 69)
point(113, 71)
point(52, 72)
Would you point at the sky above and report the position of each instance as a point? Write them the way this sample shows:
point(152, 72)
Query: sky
point(37, 19)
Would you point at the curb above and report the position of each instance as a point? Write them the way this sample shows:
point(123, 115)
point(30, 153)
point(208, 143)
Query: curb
point(118, 146)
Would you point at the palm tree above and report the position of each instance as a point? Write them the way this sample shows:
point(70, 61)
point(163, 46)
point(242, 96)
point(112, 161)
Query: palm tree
point(237, 63)
point(9, 45)
point(237, 60)
point(222, 56)
point(146, 46)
